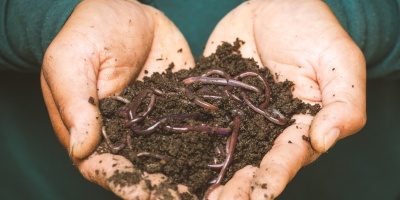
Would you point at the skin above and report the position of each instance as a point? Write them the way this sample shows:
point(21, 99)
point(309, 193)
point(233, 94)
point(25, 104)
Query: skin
point(302, 41)
point(97, 55)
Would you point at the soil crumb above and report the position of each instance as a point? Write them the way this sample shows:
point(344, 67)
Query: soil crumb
point(184, 156)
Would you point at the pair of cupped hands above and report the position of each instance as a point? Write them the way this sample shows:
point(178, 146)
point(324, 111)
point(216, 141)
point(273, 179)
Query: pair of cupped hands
point(105, 45)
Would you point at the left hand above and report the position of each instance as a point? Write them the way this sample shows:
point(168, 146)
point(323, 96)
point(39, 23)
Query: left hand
point(104, 46)
point(302, 41)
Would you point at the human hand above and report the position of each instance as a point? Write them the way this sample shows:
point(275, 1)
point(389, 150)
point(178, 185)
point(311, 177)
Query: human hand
point(103, 47)
point(302, 41)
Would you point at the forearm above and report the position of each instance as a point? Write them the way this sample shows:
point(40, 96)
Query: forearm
point(27, 28)
point(374, 26)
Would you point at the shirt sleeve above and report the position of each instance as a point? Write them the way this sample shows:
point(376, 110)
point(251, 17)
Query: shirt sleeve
point(375, 27)
point(26, 29)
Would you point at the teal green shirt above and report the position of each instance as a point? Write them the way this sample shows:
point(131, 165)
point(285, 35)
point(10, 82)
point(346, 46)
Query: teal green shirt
point(375, 26)
point(27, 28)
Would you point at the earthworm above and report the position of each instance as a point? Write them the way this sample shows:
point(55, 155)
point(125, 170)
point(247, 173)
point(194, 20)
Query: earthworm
point(129, 140)
point(201, 128)
point(223, 88)
point(221, 81)
point(161, 93)
point(226, 88)
point(114, 149)
point(120, 98)
point(135, 105)
point(145, 131)
point(158, 92)
point(197, 100)
point(281, 120)
point(267, 92)
point(216, 71)
point(153, 155)
point(209, 96)
point(219, 150)
point(216, 166)
point(231, 145)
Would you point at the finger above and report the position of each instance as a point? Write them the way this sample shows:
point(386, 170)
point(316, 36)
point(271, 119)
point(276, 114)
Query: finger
point(74, 94)
point(331, 63)
point(236, 24)
point(290, 152)
point(239, 186)
point(168, 46)
point(184, 191)
point(215, 193)
point(55, 117)
point(342, 79)
point(115, 173)
point(164, 188)
point(73, 66)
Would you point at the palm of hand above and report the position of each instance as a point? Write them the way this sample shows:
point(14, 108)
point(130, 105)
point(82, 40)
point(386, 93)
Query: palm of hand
point(303, 42)
point(96, 55)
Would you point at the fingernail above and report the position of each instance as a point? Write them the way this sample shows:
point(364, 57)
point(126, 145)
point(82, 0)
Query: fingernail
point(330, 138)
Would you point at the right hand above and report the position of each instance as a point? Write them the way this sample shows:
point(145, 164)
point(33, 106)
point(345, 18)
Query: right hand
point(301, 41)
point(103, 47)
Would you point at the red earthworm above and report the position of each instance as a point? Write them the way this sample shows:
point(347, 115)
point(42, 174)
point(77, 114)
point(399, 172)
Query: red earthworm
point(201, 128)
point(220, 150)
point(129, 140)
point(114, 149)
point(221, 81)
point(213, 181)
point(158, 92)
point(197, 100)
point(216, 166)
point(209, 96)
point(226, 88)
point(267, 89)
point(145, 131)
point(204, 104)
point(135, 104)
point(153, 155)
point(232, 140)
point(120, 98)
point(281, 120)
point(216, 71)
point(161, 93)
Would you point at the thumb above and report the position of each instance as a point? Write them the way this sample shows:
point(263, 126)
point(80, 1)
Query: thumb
point(70, 92)
point(342, 79)
point(72, 67)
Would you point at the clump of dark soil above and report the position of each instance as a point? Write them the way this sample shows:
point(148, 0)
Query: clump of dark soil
point(185, 156)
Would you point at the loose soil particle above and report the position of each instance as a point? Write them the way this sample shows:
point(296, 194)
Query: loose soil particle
point(191, 152)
